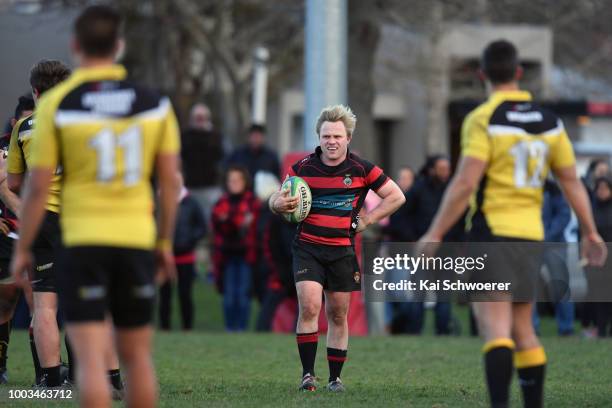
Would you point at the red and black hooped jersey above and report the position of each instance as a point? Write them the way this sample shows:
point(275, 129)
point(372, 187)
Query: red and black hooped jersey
point(338, 193)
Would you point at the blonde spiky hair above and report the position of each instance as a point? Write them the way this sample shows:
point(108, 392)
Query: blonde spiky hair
point(338, 113)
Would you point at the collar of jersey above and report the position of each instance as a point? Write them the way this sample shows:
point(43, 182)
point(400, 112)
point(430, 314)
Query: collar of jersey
point(516, 95)
point(115, 72)
point(319, 152)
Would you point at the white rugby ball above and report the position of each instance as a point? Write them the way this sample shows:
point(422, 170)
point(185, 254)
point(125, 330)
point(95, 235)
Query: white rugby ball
point(298, 188)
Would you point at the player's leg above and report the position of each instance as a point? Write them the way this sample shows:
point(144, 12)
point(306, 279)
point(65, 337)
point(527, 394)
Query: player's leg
point(309, 276)
point(336, 310)
point(47, 337)
point(9, 294)
point(34, 352)
point(494, 325)
point(310, 295)
point(71, 378)
point(90, 345)
point(29, 297)
point(134, 346)
point(529, 358)
point(112, 364)
point(131, 296)
point(83, 284)
point(46, 331)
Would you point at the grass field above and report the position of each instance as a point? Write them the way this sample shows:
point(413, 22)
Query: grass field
point(211, 368)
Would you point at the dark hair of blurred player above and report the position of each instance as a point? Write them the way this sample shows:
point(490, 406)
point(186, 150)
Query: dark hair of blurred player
point(110, 252)
point(507, 207)
point(46, 74)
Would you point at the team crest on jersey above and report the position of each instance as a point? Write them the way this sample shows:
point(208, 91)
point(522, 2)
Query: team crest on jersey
point(357, 277)
point(348, 180)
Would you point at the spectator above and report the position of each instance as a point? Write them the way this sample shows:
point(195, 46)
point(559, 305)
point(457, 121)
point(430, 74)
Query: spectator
point(234, 220)
point(559, 226)
point(401, 225)
point(277, 241)
point(422, 202)
point(597, 168)
point(602, 212)
point(190, 228)
point(425, 196)
point(255, 155)
point(202, 154)
point(399, 229)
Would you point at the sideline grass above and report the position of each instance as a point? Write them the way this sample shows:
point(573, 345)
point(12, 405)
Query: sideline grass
point(247, 370)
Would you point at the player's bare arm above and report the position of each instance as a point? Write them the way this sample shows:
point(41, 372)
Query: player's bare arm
point(456, 197)
point(593, 247)
point(392, 199)
point(15, 181)
point(32, 213)
point(167, 170)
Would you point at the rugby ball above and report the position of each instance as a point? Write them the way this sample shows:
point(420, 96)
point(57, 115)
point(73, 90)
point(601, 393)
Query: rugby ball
point(298, 188)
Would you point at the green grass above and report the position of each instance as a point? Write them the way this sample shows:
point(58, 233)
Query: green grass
point(210, 368)
point(203, 369)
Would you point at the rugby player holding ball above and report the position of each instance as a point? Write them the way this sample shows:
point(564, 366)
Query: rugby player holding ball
point(324, 258)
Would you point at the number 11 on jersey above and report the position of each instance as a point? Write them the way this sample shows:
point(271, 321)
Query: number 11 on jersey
point(107, 145)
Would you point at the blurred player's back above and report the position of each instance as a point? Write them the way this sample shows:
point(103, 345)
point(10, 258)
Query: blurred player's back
point(520, 141)
point(109, 132)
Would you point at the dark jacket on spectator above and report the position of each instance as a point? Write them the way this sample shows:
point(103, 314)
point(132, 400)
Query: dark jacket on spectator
point(234, 221)
point(602, 212)
point(422, 203)
point(556, 213)
point(190, 226)
point(202, 157)
point(264, 159)
point(401, 226)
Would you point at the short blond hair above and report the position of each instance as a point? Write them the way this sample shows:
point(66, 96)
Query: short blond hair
point(338, 113)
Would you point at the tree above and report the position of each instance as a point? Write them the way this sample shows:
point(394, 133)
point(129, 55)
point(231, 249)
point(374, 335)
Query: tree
point(201, 50)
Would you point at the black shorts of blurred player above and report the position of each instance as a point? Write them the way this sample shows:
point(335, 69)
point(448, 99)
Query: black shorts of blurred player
point(97, 281)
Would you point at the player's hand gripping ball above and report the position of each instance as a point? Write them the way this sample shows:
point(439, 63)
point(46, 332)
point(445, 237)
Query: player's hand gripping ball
point(297, 187)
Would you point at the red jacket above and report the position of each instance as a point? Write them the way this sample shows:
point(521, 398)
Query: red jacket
point(234, 222)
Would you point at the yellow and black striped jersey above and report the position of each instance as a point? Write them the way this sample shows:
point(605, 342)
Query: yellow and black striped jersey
point(20, 152)
point(106, 133)
point(521, 142)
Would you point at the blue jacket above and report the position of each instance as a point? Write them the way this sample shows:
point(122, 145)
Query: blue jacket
point(556, 214)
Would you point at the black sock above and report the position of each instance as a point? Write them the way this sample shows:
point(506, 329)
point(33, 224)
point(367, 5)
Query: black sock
point(71, 360)
point(531, 368)
point(498, 355)
point(532, 385)
point(115, 378)
point(52, 375)
point(5, 332)
point(307, 346)
point(336, 359)
point(37, 369)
